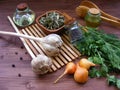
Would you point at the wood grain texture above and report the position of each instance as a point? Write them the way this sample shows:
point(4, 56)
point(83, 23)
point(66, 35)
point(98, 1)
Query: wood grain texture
point(67, 54)
point(12, 51)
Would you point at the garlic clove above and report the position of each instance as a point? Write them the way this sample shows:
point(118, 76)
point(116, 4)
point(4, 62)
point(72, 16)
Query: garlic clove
point(52, 44)
point(53, 39)
point(51, 50)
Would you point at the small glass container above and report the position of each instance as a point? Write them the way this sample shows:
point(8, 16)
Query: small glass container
point(23, 16)
point(92, 18)
point(75, 34)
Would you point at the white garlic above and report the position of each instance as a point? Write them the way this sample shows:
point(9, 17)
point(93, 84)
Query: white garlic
point(52, 44)
point(53, 39)
point(51, 50)
point(41, 64)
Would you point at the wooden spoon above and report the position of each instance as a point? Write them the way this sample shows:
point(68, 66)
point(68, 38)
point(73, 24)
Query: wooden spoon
point(82, 11)
point(68, 19)
point(92, 5)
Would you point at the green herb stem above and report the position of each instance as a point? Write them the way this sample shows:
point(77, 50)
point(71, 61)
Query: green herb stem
point(102, 48)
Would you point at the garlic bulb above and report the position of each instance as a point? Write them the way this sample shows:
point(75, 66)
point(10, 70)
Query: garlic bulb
point(51, 50)
point(53, 39)
point(52, 44)
point(41, 64)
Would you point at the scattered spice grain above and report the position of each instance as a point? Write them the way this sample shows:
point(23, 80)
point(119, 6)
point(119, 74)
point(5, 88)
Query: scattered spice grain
point(16, 53)
point(21, 58)
point(26, 52)
point(22, 47)
point(19, 75)
point(13, 65)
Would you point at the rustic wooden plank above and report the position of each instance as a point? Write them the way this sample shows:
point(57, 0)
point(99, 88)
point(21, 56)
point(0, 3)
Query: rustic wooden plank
point(68, 43)
point(11, 51)
point(59, 61)
point(67, 52)
point(40, 49)
point(40, 30)
point(34, 44)
point(70, 50)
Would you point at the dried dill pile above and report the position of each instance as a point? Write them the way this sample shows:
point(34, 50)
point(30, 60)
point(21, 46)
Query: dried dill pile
point(103, 49)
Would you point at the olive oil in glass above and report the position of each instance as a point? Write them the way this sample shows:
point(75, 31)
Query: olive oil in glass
point(92, 18)
point(23, 16)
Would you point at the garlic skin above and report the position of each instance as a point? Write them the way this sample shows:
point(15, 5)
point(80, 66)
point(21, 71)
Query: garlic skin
point(51, 50)
point(41, 64)
point(52, 44)
point(53, 40)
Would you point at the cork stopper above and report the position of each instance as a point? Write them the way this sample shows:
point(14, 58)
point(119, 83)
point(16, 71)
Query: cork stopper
point(22, 6)
point(94, 11)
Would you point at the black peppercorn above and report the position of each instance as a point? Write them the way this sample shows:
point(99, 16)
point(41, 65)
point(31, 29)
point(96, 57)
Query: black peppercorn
point(19, 75)
point(13, 65)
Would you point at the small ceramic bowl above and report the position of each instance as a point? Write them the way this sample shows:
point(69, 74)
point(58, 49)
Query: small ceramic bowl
point(67, 18)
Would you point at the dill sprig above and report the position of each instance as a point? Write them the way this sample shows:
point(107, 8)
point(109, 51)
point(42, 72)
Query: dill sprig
point(102, 49)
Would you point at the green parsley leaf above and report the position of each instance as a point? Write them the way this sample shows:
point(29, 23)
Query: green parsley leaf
point(118, 83)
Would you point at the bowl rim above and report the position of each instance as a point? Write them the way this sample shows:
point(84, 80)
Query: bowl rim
point(50, 30)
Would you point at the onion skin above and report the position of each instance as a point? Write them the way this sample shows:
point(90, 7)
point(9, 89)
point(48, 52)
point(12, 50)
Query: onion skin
point(70, 69)
point(81, 74)
point(85, 63)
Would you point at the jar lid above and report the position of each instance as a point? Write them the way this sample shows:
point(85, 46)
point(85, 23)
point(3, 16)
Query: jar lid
point(22, 6)
point(94, 11)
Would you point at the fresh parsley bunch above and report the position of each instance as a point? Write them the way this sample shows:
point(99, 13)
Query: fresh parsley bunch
point(102, 49)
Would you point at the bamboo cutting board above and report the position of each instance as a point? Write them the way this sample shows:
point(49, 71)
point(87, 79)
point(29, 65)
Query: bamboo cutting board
point(68, 52)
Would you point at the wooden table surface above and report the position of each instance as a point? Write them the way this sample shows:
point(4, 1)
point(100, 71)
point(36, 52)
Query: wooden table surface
point(15, 68)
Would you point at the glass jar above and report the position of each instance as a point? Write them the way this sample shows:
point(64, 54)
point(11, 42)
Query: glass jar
point(23, 16)
point(75, 34)
point(92, 18)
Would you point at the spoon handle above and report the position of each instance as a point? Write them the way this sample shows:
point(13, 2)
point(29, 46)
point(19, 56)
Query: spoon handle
point(110, 16)
point(68, 18)
point(93, 5)
point(113, 22)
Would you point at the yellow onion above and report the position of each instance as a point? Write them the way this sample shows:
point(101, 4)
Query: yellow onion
point(85, 63)
point(81, 74)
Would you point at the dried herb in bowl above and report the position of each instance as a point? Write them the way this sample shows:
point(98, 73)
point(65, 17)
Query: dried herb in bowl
point(52, 20)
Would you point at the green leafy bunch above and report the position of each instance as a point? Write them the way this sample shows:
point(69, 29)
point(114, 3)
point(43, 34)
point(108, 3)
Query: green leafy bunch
point(102, 49)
